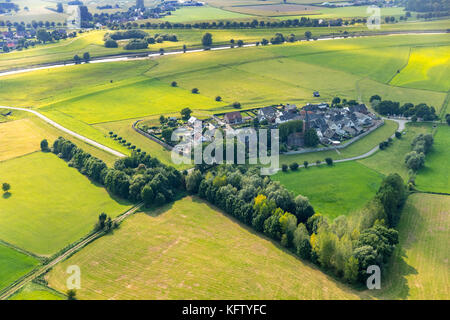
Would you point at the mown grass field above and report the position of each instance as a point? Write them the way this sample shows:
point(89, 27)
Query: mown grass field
point(92, 41)
point(22, 136)
point(33, 291)
point(435, 175)
point(333, 191)
point(428, 68)
point(50, 205)
point(13, 265)
point(137, 261)
point(345, 12)
point(189, 14)
point(419, 267)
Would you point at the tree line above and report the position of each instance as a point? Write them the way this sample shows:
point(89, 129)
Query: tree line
point(345, 247)
point(390, 108)
point(138, 177)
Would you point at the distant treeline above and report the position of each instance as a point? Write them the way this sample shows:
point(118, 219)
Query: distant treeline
point(426, 5)
point(345, 246)
point(138, 177)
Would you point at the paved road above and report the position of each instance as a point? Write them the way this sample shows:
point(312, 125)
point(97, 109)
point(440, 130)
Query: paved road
point(10, 291)
point(72, 133)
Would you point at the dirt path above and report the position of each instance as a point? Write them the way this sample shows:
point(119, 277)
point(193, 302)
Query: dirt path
point(72, 133)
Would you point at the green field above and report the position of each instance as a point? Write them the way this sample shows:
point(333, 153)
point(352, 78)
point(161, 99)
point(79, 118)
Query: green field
point(14, 265)
point(435, 175)
point(333, 191)
point(190, 14)
point(392, 159)
point(50, 205)
point(428, 68)
point(419, 267)
point(345, 12)
point(33, 291)
point(137, 261)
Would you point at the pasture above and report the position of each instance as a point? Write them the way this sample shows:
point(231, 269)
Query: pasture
point(428, 68)
point(13, 265)
point(392, 159)
point(333, 191)
point(419, 268)
point(343, 13)
point(137, 261)
point(435, 175)
point(192, 14)
point(50, 205)
point(33, 291)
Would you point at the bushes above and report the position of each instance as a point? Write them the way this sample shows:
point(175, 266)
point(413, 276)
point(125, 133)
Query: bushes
point(293, 166)
point(110, 43)
point(329, 161)
point(136, 44)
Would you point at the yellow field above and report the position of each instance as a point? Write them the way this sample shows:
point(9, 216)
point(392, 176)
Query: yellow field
point(20, 137)
point(189, 250)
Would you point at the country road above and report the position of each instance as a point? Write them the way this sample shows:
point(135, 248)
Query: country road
point(72, 133)
point(37, 272)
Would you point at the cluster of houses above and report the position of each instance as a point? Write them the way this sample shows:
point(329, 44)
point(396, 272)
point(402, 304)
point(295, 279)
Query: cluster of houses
point(331, 124)
point(13, 39)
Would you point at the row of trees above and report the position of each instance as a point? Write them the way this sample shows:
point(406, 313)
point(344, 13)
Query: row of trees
point(346, 247)
point(302, 22)
point(138, 177)
point(390, 108)
point(421, 145)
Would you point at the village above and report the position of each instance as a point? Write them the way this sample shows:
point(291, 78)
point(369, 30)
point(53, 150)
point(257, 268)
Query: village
point(332, 125)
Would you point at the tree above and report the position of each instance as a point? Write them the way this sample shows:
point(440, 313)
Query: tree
point(44, 145)
point(303, 209)
point(398, 134)
point(184, 48)
point(77, 59)
point(311, 138)
point(147, 195)
point(218, 98)
point(236, 105)
point(336, 100)
point(71, 294)
point(329, 161)
point(167, 134)
point(207, 39)
point(194, 90)
point(301, 242)
point(6, 187)
point(193, 181)
point(414, 160)
point(162, 119)
point(110, 43)
point(59, 7)
point(308, 35)
point(293, 166)
point(86, 57)
point(186, 113)
point(174, 84)
point(240, 43)
point(43, 35)
point(161, 51)
point(100, 225)
point(305, 164)
point(447, 118)
point(351, 270)
point(284, 167)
